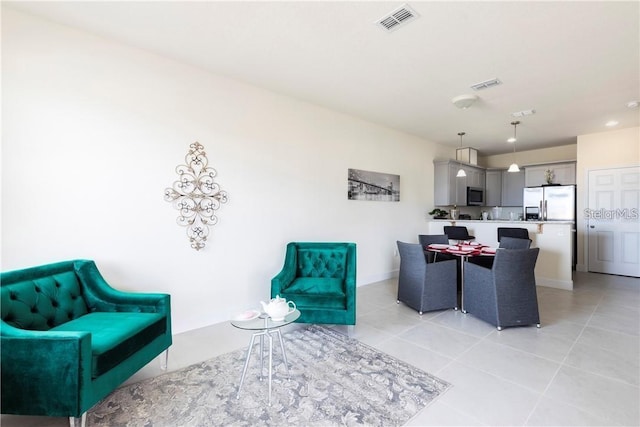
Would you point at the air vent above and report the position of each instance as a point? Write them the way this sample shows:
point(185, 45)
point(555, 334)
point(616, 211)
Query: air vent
point(523, 113)
point(486, 84)
point(397, 18)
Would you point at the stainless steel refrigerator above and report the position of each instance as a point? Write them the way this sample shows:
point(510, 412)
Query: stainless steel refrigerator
point(552, 203)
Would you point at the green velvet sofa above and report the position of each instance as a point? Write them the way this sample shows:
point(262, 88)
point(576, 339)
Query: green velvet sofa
point(68, 339)
point(320, 277)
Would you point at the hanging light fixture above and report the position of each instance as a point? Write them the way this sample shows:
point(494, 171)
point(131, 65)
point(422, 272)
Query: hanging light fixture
point(461, 173)
point(514, 166)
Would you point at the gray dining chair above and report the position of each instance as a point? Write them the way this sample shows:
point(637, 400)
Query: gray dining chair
point(457, 232)
point(504, 295)
point(514, 243)
point(505, 243)
point(517, 232)
point(425, 286)
point(428, 239)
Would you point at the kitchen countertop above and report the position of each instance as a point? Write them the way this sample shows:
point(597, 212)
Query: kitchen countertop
point(501, 221)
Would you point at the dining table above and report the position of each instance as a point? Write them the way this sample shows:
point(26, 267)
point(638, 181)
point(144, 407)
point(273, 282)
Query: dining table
point(463, 250)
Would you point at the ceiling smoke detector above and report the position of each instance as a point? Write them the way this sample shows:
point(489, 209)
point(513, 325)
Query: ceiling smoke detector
point(397, 18)
point(464, 101)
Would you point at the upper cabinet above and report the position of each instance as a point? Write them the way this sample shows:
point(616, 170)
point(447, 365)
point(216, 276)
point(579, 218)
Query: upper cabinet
point(501, 188)
point(475, 177)
point(493, 188)
point(504, 188)
point(563, 173)
point(512, 188)
point(448, 189)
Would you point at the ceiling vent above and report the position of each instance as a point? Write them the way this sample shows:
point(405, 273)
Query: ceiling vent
point(523, 113)
point(486, 84)
point(397, 18)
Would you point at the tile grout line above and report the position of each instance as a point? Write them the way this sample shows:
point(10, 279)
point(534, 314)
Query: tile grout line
point(562, 364)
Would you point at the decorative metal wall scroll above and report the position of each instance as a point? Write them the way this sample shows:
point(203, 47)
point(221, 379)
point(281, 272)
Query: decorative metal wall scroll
point(196, 195)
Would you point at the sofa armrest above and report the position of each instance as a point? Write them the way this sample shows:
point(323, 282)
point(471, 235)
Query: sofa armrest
point(45, 372)
point(288, 273)
point(350, 275)
point(100, 296)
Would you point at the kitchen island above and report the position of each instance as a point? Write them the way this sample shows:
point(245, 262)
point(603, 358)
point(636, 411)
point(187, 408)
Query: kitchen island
point(554, 238)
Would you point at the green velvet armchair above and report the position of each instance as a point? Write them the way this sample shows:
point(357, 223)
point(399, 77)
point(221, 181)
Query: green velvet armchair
point(69, 339)
point(320, 277)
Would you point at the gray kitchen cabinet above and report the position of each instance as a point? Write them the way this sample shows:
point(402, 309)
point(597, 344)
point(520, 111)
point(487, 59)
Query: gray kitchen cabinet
point(448, 189)
point(445, 184)
point(493, 188)
point(564, 174)
point(512, 188)
point(475, 177)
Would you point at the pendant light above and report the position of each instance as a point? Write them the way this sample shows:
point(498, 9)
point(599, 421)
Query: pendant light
point(514, 166)
point(461, 173)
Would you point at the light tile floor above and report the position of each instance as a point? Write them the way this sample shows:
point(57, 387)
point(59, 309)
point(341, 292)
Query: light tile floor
point(582, 368)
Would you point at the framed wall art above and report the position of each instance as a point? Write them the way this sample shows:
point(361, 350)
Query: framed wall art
point(376, 186)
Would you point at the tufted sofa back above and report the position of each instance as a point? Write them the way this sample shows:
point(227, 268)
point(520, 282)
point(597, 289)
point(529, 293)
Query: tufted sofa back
point(328, 262)
point(41, 298)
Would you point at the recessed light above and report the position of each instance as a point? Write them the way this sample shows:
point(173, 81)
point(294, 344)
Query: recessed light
point(611, 123)
point(633, 104)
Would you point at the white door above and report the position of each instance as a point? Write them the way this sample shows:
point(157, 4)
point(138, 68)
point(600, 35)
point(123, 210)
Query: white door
point(613, 221)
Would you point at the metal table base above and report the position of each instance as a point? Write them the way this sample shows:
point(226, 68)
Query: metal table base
point(269, 334)
point(269, 329)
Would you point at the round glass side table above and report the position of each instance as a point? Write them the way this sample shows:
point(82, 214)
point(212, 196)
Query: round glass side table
point(264, 326)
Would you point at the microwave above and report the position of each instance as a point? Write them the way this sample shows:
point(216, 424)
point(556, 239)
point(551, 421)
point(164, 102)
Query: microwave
point(475, 196)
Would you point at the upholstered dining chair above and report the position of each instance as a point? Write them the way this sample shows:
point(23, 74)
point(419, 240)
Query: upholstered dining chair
point(457, 232)
point(506, 243)
point(520, 233)
point(425, 286)
point(428, 239)
point(320, 278)
point(514, 243)
point(504, 295)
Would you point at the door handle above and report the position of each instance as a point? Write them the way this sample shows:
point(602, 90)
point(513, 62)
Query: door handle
point(541, 212)
point(592, 226)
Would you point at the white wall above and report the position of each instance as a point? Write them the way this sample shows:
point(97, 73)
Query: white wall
point(603, 150)
point(92, 132)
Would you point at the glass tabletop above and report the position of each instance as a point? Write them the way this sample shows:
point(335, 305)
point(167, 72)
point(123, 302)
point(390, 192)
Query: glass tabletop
point(263, 321)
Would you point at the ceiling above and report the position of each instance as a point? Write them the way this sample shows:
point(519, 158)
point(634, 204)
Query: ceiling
point(575, 63)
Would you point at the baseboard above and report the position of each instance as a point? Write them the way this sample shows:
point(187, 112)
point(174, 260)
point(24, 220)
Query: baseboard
point(567, 285)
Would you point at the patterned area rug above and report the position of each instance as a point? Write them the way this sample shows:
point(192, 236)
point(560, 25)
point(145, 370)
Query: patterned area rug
point(335, 380)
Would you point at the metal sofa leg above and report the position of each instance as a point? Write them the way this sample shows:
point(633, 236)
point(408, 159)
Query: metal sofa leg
point(164, 360)
point(350, 331)
point(78, 422)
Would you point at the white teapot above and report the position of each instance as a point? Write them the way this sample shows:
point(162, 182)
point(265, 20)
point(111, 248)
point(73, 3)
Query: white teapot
point(278, 307)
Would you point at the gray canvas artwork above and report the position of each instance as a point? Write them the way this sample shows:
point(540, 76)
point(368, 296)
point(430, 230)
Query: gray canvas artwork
point(376, 186)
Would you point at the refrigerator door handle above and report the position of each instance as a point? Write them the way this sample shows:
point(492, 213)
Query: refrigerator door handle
point(540, 212)
point(545, 210)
